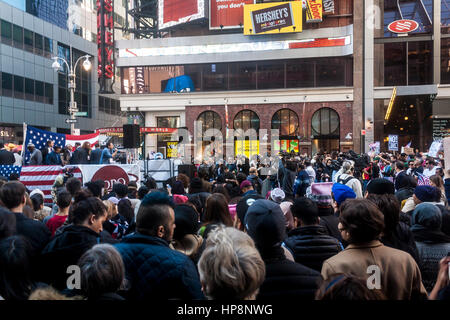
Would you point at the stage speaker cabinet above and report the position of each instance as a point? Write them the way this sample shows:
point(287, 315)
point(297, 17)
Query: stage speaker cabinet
point(187, 169)
point(131, 136)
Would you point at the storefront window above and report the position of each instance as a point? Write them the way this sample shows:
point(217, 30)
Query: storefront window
point(168, 122)
point(420, 11)
point(210, 120)
point(271, 75)
point(246, 120)
point(405, 63)
point(286, 121)
point(300, 75)
point(215, 77)
point(325, 128)
point(242, 76)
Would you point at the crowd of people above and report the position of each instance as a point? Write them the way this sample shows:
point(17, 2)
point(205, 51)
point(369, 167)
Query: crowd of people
point(53, 154)
point(337, 226)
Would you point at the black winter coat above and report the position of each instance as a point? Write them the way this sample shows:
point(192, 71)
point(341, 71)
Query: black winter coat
point(6, 157)
point(65, 249)
point(311, 246)
point(286, 279)
point(330, 221)
point(402, 239)
point(35, 231)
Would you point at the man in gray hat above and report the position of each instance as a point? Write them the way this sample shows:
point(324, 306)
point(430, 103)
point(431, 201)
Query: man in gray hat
point(35, 155)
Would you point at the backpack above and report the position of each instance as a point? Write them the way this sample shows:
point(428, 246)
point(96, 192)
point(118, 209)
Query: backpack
point(344, 181)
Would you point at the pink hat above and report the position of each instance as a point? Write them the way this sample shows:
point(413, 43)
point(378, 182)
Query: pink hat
point(245, 184)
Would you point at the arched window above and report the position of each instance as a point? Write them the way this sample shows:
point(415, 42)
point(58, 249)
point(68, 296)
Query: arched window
point(286, 121)
point(325, 124)
point(245, 120)
point(210, 120)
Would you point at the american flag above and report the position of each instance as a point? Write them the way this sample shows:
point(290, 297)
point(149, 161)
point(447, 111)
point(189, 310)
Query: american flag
point(7, 170)
point(422, 180)
point(40, 137)
point(43, 178)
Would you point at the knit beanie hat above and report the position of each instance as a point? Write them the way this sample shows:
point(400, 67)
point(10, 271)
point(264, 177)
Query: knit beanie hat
point(427, 193)
point(244, 203)
point(341, 192)
point(426, 216)
point(265, 223)
point(380, 186)
point(277, 195)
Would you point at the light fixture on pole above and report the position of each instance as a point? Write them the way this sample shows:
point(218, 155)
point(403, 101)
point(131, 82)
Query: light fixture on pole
point(71, 68)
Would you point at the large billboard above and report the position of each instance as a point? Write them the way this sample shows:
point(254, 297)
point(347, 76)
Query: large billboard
point(105, 45)
point(174, 12)
point(274, 17)
point(227, 14)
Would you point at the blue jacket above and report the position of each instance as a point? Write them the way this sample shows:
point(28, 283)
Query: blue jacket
point(155, 271)
point(53, 158)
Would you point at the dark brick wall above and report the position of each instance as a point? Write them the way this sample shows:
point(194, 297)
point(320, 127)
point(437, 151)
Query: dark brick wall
point(266, 112)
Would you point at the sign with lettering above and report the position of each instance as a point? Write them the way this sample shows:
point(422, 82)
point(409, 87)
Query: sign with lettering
point(105, 44)
point(328, 7)
point(314, 11)
point(172, 150)
point(393, 142)
point(227, 14)
point(441, 128)
point(275, 17)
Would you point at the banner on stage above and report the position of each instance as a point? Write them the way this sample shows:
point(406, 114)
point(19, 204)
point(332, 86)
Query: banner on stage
point(111, 174)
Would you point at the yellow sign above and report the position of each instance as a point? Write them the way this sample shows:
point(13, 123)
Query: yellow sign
point(391, 105)
point(172, 151)
point(246, 147)
point(274, 17)
point(314, 11)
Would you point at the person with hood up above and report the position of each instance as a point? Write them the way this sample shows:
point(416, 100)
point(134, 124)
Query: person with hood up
point(432, 243)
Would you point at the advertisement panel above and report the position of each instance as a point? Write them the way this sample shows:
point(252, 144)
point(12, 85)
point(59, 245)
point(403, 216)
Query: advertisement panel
point(105, 44)
point(314, 11)
point(227, 14)
point(275, 17)
point(175, 12)
point(172, 149)
point(328, 7)
point(246, 147)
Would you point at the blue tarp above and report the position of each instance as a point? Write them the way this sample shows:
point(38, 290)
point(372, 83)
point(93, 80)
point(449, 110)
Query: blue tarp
point(179, 83)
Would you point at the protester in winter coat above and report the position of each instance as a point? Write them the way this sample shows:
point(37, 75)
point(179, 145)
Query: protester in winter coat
point(86, 222)
point(15, 268)
point(361, 224)
point(13, 197)
point(265, 223)
point(231, 267)
point(396, 233)
point(431, 242)
point(345, 176)
point(64, 199)
point(216, 212)
point(153, 269)
point(255, 180)
point(309, 242)
point(54, 157)
point(288, 176)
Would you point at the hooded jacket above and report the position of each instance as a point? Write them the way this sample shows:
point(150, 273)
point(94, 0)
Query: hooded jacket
point(311, 246)
point(286, 279)
point(64, 250)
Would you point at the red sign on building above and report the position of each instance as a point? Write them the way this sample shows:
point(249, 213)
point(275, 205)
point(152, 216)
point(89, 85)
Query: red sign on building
point(227, 14)
point(105, 43)
point(403, 26)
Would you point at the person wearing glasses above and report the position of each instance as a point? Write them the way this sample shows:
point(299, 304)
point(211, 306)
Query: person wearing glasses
point(430, 169)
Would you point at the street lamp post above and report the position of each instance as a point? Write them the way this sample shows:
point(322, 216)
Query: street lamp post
point(72, 105)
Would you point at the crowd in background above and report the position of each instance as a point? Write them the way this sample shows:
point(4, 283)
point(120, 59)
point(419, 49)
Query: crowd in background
point(314, 228)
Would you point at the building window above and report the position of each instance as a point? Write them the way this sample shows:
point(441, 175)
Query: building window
point(286, 121)
point(7, 84)
point(445, 60)
point(29, 89)
point(271, 75)
point(49, 93)
point(6, 32)
point(420, 11)
point(40, 91)
point(48, 47)
point(445, 16)
point(242, 75)
point(28, 40)
point(168, 122)
point(246, 120)
point(325, 126)
point(405, 63)
point(17, 36)
point(210, 120)
point(38, 44)
point(18, 87)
